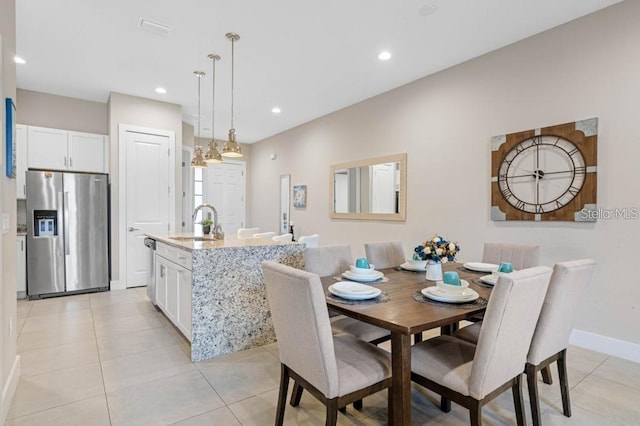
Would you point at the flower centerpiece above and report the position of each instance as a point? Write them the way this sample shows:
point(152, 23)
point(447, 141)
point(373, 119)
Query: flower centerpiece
point(436, 251)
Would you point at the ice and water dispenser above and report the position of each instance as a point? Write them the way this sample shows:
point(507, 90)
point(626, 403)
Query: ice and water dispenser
point(45, 223)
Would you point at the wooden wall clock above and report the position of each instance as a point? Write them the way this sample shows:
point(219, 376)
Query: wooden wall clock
point(546, 174)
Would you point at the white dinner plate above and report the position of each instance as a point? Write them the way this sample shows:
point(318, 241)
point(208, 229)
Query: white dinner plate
point(363, 278)
point(434, 293)
point(481, 267)
point(490, 279)
point(353, 291)
point(409, 267)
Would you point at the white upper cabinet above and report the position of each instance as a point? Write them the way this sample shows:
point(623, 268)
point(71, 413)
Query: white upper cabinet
point(87, 152)
point(64, 150)
point(47, 148)
point(21, 161)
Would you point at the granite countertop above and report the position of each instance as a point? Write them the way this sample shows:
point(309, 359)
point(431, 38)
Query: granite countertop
point(186, 241)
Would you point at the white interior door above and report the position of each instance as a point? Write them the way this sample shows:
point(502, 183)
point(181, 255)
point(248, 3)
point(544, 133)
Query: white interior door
point(187, 189)
point(147, 200)
point(383, 188)
point(225, 190)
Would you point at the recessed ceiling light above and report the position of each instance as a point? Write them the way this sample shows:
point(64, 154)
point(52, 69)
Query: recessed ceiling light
point(384, 56)
point(19, 60)
point(276, 110)
point(161, 90)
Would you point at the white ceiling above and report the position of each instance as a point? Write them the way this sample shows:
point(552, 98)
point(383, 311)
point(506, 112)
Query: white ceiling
point(307, 57)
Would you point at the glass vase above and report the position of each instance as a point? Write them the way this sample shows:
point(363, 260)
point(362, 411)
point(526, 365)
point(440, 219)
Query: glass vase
point(434, 270)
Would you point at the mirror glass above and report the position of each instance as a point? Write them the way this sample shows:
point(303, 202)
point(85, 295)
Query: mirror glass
point(372, 189)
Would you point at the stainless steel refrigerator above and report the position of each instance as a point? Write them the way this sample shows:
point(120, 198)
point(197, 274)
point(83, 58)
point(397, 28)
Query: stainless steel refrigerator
point(67, 233)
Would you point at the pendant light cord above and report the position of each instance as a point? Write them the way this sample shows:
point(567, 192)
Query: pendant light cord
point(213, 104)
point(233, 42)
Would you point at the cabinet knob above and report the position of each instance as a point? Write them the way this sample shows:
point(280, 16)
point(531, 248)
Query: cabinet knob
point(131, 229)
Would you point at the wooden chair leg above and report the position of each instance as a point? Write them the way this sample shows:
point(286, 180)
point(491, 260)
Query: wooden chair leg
point(357, 404)
point(296, 394)
point(546, 375)
point(564, 383)
point(518, 400)
point(445, 404)
point(332, 412)
point(475, 414)
point(532, 384)
point(282, 395)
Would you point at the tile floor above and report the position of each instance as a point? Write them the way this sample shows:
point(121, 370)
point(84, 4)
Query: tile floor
point(112, 359)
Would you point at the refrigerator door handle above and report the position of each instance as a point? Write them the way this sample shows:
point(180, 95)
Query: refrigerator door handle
point(67, 250)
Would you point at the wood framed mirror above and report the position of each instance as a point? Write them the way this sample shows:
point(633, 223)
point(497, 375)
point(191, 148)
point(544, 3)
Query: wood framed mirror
point(371, 189)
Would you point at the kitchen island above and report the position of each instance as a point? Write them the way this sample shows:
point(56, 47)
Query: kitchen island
point(213, 290)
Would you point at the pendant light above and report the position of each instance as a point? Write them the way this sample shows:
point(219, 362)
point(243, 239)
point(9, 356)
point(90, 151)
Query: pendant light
point(213, 155)
point(198, 159)
point(232, 148)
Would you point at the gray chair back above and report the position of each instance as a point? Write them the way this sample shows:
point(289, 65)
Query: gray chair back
point(388, 254)
point(567, 285)
point(327, 260)
point(300, 317)
point(509, 322)
point(522, 256)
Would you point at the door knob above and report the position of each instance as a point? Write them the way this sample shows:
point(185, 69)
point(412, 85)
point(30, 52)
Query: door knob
point(131, 229)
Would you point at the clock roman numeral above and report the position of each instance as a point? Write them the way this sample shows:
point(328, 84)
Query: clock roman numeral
point(502, 177)
point(520, 205)
point(573, 152)
point(506, 193)
point(536, 141)
point(581, 170)
point(573, 191)
point(519, 148)
point(539, 209)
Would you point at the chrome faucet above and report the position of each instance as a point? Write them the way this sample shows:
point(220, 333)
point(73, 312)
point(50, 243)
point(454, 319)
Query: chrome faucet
point(217, 229)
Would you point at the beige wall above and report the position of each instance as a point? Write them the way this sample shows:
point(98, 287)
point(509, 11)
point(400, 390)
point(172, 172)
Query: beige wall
point(61, 112)
point(9, 362)
point(131, 110)
point(586, 68)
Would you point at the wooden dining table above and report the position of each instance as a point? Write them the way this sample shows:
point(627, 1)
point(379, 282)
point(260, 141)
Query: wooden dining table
point(404, 316)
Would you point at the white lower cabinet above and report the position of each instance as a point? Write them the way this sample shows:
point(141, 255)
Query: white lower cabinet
point(173, 286)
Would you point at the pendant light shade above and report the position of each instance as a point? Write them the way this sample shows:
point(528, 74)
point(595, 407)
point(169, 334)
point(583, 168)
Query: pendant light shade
point(232, 148)
point(213, 155)
point(198, 159)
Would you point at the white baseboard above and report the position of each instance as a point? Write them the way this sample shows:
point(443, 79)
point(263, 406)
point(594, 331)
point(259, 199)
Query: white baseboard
point(118, 285)
point(9, 389)
point(607, 345)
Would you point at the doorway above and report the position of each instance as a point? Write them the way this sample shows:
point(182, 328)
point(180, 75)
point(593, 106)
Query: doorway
point(146, 194)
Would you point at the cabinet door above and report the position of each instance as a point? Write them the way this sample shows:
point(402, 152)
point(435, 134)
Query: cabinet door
point(22, 266)
point(86, 152)
point(46, 148)
point(161, 283)
point(21, 161)
point(171, 310)
point(183, 317)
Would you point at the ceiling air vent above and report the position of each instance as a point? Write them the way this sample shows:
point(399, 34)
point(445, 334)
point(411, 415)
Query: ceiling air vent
point(155, 27)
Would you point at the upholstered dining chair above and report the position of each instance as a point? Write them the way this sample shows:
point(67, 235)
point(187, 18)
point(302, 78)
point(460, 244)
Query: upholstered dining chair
point(267, 235)
point(551, 337)
point(244, 233)
point(337, 370)
point(521, 256)
point(473, 375)
point(332, 261)
point(284, 238)
point(387, 254)
point(309, 240)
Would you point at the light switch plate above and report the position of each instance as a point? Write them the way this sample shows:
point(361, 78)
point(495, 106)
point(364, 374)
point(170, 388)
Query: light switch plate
point(4, 221)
